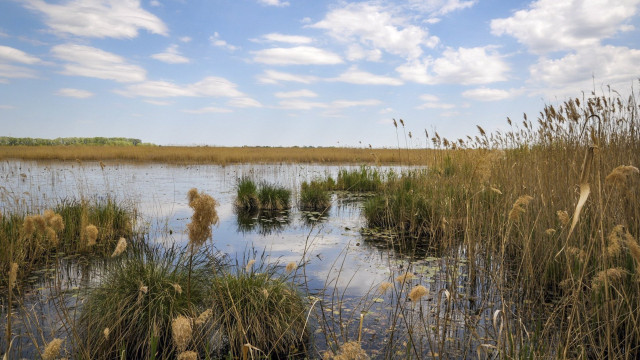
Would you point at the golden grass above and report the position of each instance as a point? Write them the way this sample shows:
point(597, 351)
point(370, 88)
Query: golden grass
point(220, 155)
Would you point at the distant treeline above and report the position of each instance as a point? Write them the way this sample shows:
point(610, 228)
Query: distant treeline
point(120, 141)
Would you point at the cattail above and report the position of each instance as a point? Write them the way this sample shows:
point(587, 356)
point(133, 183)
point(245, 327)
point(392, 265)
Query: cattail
point(181, 330)
point(106, 332)
point(291, 266)
point(91, 232)
point(206, 315)
point(519, 207)
point(384, 287)
point(13, 275)
point(618, 178)
point(177, 288)
point(120, 247)
point(612, 274)
point(188, 355)
point(405, 277)
point(249, 265)
point(52, 236)
point(28, 226)
point(204, 215)
point(52, 350)
point(563, 217)
point(417, 293)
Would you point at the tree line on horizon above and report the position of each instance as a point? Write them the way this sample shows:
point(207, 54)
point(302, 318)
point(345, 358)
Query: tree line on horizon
point(120, 141)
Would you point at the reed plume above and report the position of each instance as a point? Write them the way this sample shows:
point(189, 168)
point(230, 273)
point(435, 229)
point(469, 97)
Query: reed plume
point(519, 207)
point(177, 288)
point(417, 293)
point(188, 355)
point(291, 266)
point(405, 278)
point(52, 350)
point(563, 217)
point(348, 351)
point(120, 247)
point(91, 233)
point(612, 274)
point(204, 216)
point(204, 317)
point(181, 331)
point(384, 287)
point(249, 265)
point(619, 177)
point(13, 275)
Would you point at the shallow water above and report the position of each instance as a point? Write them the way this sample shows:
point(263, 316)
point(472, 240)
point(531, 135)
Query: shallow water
point(339, 260)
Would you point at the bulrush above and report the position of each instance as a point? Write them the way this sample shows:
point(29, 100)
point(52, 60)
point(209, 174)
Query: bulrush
point(181, 331)
point(120, 247)
point(204, 215)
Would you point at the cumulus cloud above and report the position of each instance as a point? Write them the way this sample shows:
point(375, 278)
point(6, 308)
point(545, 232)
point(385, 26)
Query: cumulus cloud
point(297, 104)
point(355, 76)
point(289, 39)
point(98, 18)
point(433, 102)
point(479, 65)
point(277, 77)
point(171, 56)
point(609, 65)
point(211, 86)
point(488, 94)
point(74, 93)
point(218, 42)
point(296, 94)
point(299, 55)
point(244, 102)
point(8, 57)
point(439, 7)
point(278, 3)
point(208, 110)
point(374, 27)
point(550, 25)
point(88, 61)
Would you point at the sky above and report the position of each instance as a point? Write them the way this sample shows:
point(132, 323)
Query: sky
point(303, 72)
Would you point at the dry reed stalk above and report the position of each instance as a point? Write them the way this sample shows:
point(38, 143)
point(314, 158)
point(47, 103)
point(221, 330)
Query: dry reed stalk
point(585, 188)
point(52, 350)
point(120, 247)
point(181, 331)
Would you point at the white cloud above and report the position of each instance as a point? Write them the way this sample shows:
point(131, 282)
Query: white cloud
point(12, 71)
point(6, 107)
point(92, 62)
point(74, 93)
point(218, 42)
point(158, 102)
point(297, 104)
point(289, 39)
point(9, 54)
point(479, 65)
point(356, 52)
point(551, 25)
point(274, 3)
point(208, 87)
point(488, 94)
point(208, 110)
point(276, 77)
point(355, 76)
point(296, 94)
point(98, 18)
point(376, 28)
point(299, 55)
point(439, 7)
point(185, 39)
point(244, 102)
point(433, 102)
point(155, 3)
point(609, 65)
point(171, 56)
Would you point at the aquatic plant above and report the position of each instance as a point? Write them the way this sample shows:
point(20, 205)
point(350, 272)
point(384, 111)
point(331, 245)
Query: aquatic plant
point(365, 179)
point(314, 196)
point(247, 195)
point(261, 308)
point(274, 197)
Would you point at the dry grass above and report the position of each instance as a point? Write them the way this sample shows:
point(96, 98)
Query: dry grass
point(218, 155)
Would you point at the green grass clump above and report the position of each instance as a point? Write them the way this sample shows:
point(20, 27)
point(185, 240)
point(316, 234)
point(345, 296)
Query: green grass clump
point(264, 309)
point(365, 179)
point(274, 197)
point(139, 296)
point(314, 196)
point(247, 195)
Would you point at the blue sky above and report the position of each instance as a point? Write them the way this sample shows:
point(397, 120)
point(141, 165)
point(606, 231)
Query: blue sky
point(302, 72)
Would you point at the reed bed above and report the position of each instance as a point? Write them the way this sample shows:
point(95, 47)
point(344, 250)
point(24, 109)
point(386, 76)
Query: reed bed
point(217, 155)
